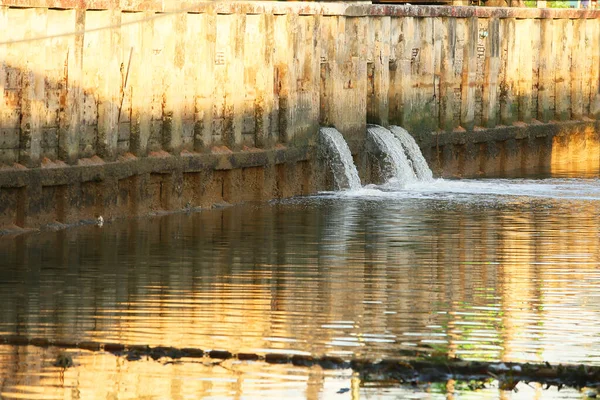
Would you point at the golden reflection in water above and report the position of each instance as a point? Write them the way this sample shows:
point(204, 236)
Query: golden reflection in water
point(516, 293)
point(104, 376)
point(518, 277)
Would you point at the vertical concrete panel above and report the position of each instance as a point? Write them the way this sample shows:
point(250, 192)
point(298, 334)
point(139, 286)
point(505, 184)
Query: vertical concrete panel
point(11, 69)
point(395, 85)
point(235, 81)
point(407, 57)
point(202, 62)
point(304, 105)
point(345, 82)
point(452, 44)
point(158, 58)
point(12, 210)
point(282, 81)
point(33, 107)
point(438, 37)
point(130, 110)
point(173, 28)
point(481, 54)
point(469, 75)
point(327, 51)
point(578, 71)
point(461, 42)
point(378, 72)
point(264, 102)
point(229, 75)
point(108, 56)
point(374, 25)
point(3, 33)
point(258, 79)
point(72, 126)
point(141, 75)
point(253, 47)
point(587, 28)
point(426, 97)
point(350, 73)
point(529, 158)
point(491, 105)
point(509, 106)
point(535, 62)
point(91, 71)
point(563, 34)
point(525, 33)
point(55, 71)
point(186, 58)
point(593, 39)
point(545, 110)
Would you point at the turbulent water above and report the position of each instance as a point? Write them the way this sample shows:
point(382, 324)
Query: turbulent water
point(499, 269)
point(339, 159)
point(396, 166)
point(413, 152)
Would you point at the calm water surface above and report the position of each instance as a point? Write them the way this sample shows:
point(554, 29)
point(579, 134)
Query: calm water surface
point(479, 269)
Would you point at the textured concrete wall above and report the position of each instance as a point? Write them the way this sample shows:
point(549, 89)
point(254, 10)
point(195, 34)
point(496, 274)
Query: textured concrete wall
point(104, 78)
point(117, 101)
point(519, 149)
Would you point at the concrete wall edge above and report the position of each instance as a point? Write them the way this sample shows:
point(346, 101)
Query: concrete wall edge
point(306, 8)
point(58, 174)
point(505, 132)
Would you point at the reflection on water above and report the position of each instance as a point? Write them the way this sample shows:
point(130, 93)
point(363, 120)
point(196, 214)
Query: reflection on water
point(491, 269)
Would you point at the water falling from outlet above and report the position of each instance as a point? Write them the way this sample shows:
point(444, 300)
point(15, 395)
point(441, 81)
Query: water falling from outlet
point(413, 152)
point(339, 158)
point(392, 157)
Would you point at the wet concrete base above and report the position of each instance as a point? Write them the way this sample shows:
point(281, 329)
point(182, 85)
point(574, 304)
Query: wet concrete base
point(59, 195)
point(519, 149)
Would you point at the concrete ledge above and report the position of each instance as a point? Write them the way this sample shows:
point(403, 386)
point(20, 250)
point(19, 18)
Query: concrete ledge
point(503, 132)
point(58, 195)
point(521, 148)
point(481, 12)
point(306, 8)
point(19, 175)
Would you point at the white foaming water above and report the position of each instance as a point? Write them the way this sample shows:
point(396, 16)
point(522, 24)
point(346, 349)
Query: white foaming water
point(486, 191)
point(396, 166)
point(413, 152)
point(410, 177)
point(340, 159)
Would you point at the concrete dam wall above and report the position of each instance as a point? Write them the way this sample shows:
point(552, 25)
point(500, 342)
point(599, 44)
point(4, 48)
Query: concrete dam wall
point(120, 108)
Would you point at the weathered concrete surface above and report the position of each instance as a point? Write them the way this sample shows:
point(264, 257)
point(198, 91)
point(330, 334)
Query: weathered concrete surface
point(58, 193)
point(119, 107)
point(516, 149)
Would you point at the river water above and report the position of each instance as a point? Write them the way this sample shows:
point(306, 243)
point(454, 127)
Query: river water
point(494, 269)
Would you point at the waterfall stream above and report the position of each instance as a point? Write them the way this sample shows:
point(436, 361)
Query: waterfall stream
point(395, 165)
point(339, 158)
point(399, 157)
point(413, 152)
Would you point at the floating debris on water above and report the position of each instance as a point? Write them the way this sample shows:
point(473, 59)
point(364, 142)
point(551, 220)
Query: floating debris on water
point(411, 369)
